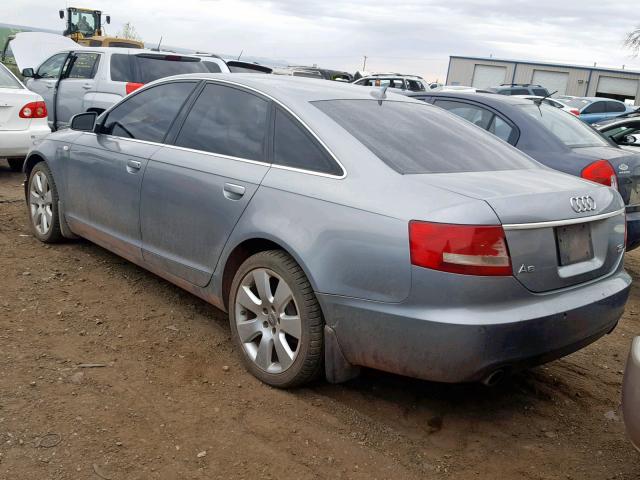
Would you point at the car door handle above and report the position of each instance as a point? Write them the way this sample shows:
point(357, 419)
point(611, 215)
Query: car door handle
point(133, 166)
point(49, 86)
point(233, 191)
point(87, 86)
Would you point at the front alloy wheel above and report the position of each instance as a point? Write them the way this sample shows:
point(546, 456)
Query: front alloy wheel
point(42, 201)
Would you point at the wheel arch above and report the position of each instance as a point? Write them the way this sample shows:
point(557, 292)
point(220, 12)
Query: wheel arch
point(31, 161)
point(245, 249)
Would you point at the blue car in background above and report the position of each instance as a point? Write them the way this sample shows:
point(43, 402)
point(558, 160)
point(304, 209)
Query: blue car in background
point(554, 138)
point(596, 109)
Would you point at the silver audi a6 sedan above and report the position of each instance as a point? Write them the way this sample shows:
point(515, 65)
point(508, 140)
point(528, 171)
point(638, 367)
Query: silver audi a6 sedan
point(340, 226)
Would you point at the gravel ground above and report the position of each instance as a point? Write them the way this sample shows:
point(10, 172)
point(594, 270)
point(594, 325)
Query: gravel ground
point(171, 400)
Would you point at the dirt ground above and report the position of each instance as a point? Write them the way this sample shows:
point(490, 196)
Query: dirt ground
point(173, 402)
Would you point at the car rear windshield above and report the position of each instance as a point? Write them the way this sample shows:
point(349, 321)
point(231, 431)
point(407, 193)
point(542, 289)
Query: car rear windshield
point(143, 68)
point(414, 138)
point(7, 80)
point(568, 128)
point(578, 103)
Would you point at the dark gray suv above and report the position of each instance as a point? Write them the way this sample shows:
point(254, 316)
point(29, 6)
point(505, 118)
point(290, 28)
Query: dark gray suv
point(520, 89)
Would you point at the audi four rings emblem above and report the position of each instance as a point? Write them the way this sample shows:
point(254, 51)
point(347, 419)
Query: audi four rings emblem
point(583, 204)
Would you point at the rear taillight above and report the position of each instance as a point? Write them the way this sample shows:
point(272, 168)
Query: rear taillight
point(33, 110)
point(132, 87)
point(601, 172)
point(575, 111)
point(464, 249)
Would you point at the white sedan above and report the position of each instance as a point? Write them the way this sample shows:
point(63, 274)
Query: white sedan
point(23, 119)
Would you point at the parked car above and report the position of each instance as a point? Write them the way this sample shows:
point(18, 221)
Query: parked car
point(552, 102)
point(520, 89)
point(397, 81)
point(415, 244)
point(630, 114)
point(631, 394)
point(23, 119)
point(92, 79)
point(624, 132)
point(596, 109)
point(216, 64)
point(555, 139)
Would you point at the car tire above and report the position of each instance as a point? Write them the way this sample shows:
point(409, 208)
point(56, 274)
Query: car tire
point(15, 164)
point(42, 204)
point(276, 320)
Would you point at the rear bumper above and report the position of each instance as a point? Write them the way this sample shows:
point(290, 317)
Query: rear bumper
point(460, 343)
point(16, 143)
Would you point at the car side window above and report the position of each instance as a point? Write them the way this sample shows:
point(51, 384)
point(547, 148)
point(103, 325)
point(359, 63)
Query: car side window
point(148, 115)
point(51, 67)
point(294, 147)
point(227, 121)
point(415, 86)
point(121, 68)
point(84, 65)
point(615, 107)
point(517, 91)
point(540, 92)
point(212, 67)
point(500, 128)
point(477, 115)
point(595, 107)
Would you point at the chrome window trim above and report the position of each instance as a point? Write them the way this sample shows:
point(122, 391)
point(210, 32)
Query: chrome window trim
point(239, 159)
point(561, 223)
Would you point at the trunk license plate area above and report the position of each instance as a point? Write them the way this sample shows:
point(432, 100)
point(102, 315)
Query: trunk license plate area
point(574, 243)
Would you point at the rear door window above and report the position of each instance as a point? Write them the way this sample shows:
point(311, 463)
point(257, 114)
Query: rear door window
point(226, 121)
point(295, 147)
point(477, 115)
point(121, 68)
point(595, 107)
point(414, 138)
point(615, 107)
point(84, 65)
point(540, 92)
point(516, 91)
point(148, 115)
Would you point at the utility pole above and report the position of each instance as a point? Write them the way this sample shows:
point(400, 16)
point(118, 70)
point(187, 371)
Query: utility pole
point(364, 64)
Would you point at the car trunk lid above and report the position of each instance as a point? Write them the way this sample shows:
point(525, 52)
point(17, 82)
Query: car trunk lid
point(560, 230)
point(626, 166)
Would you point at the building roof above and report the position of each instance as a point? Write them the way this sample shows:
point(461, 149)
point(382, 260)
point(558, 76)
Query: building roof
point(548, 64)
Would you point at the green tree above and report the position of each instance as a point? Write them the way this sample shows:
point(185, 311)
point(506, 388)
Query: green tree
point(129, 32)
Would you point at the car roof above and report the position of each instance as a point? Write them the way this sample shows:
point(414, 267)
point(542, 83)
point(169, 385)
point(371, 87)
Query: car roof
point(294, 89)
point(129, 51)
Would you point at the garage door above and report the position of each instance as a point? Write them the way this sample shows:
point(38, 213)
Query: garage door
point(552, 81)
point(617, 86)
point(485, 76)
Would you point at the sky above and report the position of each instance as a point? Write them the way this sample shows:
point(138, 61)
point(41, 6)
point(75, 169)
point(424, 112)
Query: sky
point(408, 36)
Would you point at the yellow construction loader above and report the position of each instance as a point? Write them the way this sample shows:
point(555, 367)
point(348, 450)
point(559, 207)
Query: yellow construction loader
point(84, 26)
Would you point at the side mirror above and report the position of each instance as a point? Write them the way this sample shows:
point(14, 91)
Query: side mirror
point(28, 73)
point(84, 122)
point(108, 19)
point(630, 139)
point(61, 13)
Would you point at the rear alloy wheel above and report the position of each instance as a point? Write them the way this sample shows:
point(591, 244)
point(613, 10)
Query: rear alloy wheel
point(276, 320)
point(42, 201)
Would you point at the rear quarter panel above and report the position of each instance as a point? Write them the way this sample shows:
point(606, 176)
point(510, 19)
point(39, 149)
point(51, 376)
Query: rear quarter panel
point(343, 250)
